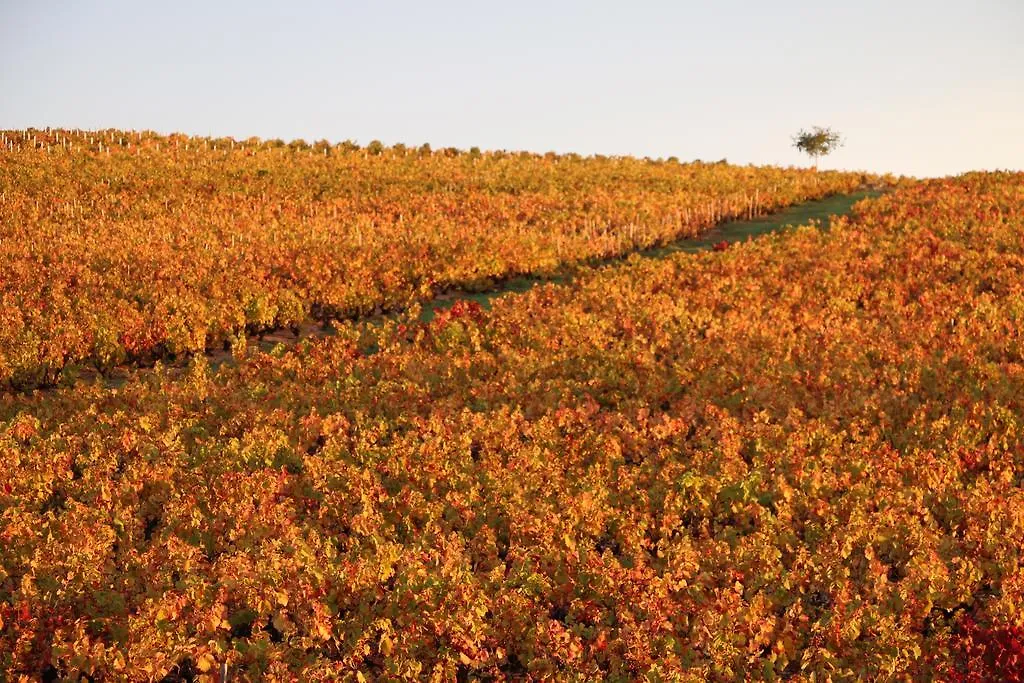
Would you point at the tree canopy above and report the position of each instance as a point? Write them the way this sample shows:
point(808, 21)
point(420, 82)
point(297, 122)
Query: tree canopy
point(817, 142)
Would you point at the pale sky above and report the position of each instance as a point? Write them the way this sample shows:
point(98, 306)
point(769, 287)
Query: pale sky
point(921, 87)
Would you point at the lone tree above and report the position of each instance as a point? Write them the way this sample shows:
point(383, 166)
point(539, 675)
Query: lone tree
point(817, 142)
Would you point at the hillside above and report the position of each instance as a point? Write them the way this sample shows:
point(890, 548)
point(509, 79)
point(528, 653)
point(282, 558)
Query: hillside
point(120, 247)
point(796, 456)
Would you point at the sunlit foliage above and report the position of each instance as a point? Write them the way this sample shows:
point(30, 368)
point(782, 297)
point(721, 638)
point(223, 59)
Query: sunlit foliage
point(800, 456)
point(121, 247)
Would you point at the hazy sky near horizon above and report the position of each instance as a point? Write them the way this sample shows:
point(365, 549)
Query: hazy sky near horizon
point(921, 87)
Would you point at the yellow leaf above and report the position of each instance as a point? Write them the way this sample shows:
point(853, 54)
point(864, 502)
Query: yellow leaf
point(360, 677)
point(280, 623)
point(385, 646)
point(464, 658)
point(205, 663)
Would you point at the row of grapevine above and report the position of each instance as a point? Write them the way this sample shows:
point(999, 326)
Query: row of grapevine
point(798, 457)
point(123, 247)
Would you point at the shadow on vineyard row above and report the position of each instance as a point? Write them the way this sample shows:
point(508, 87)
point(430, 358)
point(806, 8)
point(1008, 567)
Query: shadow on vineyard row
point(817, 212)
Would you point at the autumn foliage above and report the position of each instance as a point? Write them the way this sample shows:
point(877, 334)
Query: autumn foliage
point(801, 456)
point(121, 247)
point(989, 653)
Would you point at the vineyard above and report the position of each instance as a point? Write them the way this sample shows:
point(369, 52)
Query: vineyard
point(130, 248)
point(799, 457)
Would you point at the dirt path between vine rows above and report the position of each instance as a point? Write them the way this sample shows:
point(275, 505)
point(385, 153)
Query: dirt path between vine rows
point(819, 211)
